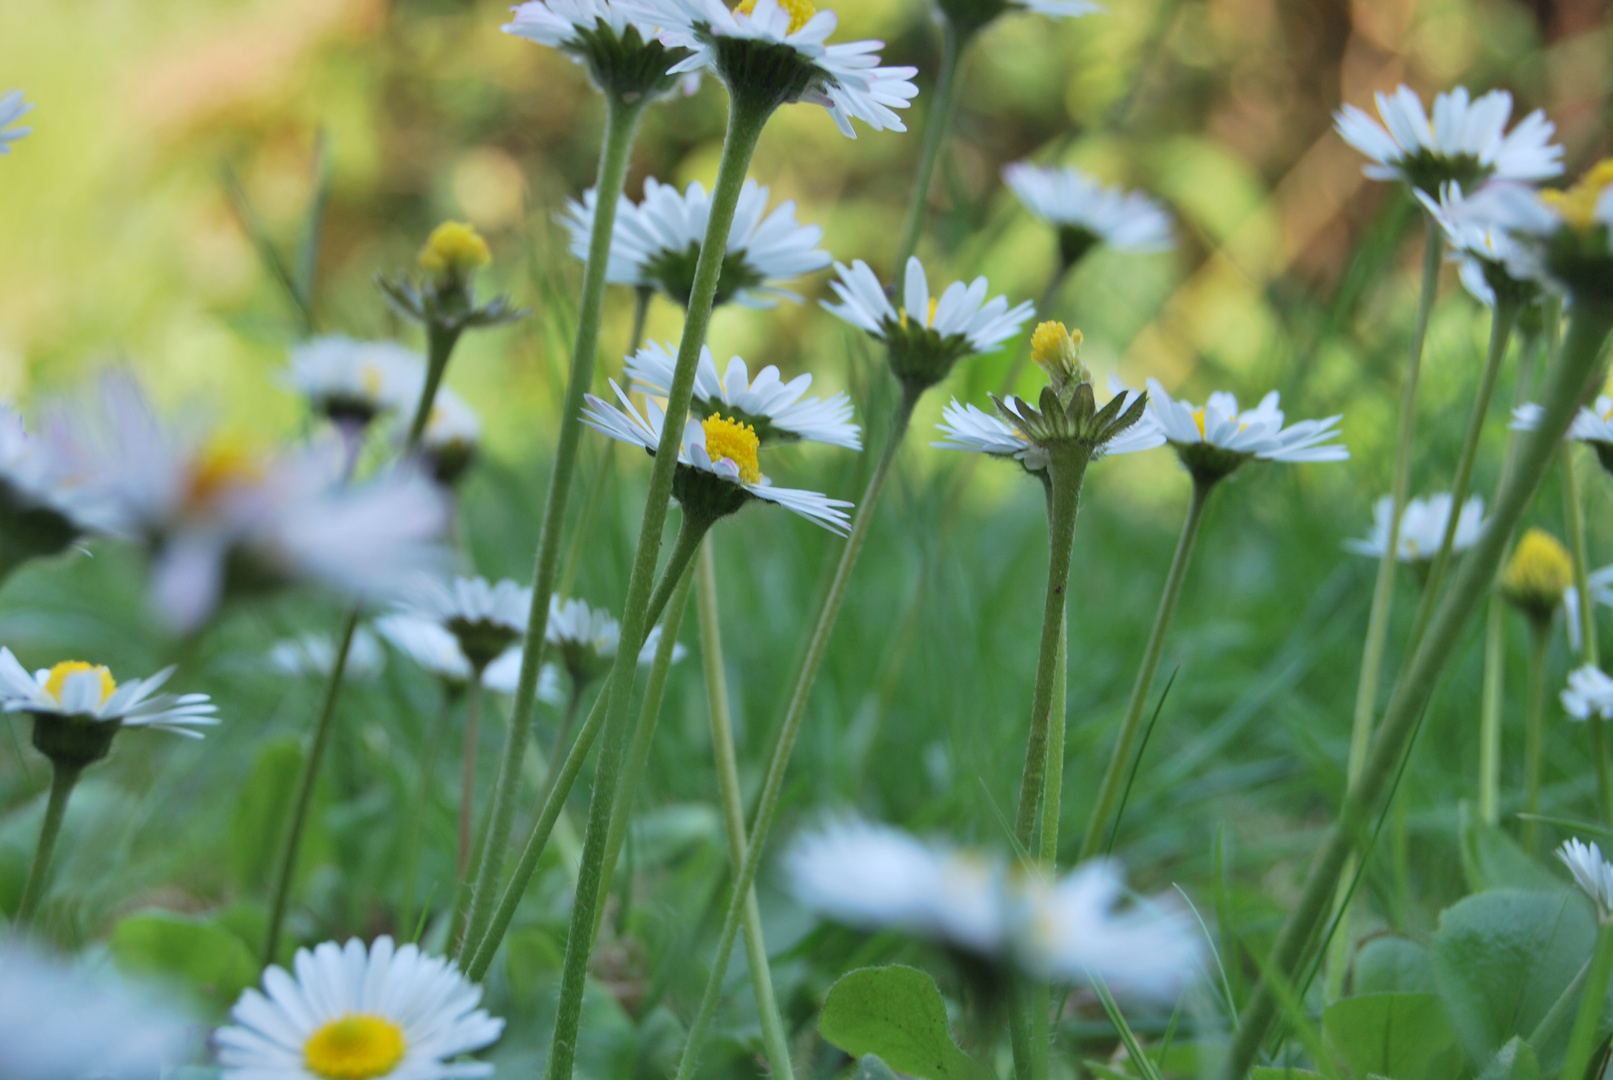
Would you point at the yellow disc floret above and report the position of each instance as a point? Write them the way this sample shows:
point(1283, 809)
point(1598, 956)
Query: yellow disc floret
point(454, 249)
point(1537, 574)
point(1057, 351)
point(929, 320)
point(1577, 204)
point(735, 441)
point(56, 682)
point(801, 11)
point(355, 1047)
point(223, 464)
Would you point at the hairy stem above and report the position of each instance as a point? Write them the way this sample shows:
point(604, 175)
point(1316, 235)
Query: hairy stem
point(62, 780)
point(1539, 638)
point(467, 768)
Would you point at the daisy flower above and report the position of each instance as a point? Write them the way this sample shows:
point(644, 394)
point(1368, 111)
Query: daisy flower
point(12, 109)
point(1589, 693)
point(376, 1013)
point(656, 244)
point(486, 619)
point(43, 508)
point(434, 648)
point(718, 466)
point(353, 382)
point(777, 51)
point(1215, 440)
point(588, 638)
point(873, 877)
point(452, 438)
point(1591, 873)
point(80, 693)
point(1480, 246)
point(624, 55)
point(1086, 213)
point(926, 337)
point(58, 1021)
point(1561, 238)
point(778, 410)
point(1592, 425)
point(1422, 528)
point(1466, 140)
point(312, 656)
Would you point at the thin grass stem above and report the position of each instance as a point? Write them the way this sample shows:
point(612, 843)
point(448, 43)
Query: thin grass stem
point(943, 105)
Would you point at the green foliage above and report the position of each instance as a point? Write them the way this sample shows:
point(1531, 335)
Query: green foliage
point(1514, 1061)
point(201, 958)
point(1395, 1035)
point(260, 814)
point(1392, 965)
point(897, 1013)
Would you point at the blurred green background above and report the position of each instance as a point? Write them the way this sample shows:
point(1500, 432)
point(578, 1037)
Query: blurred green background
point(117, 245)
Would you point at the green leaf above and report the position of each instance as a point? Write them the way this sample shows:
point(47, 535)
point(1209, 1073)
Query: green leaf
point(1515, 1061)
point(208, 960)
point(1493, 860)
point(1398, 1035)
point(258, 824)
point(1502, 959)
point(869, 1067)
point(897, 1013)
point(1392, 965)
point(1272, 1072)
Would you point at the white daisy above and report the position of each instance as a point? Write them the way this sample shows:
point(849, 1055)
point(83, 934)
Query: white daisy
point(588, 638)
point(382, 1013)
point(214, 512)
point(434, 647)
point(452, 437)
point(312, 655)
point(60, 1023)
point(1593, 424)
point(976, 431)
point(503, 676)
point(623, 54)
point(1480, 245)
point(926, 336)
point(1086, 212)
point(1589, 692)
point(1219, 438)
point(87, 693)
point(1466, 141)
point(1591, 873)
point(43, 506)
point(485, 618)
point(12, 109)
point(844, 78)
point(657, 243)
point(1422, 528)
point(778, 410)
point(715, 447)
point(1561, 238)
point(356, 381)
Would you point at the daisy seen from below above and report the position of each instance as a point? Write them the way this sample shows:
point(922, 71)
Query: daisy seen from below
point(60, 1021)
point(587, 639)
point(779, 411)
point(1591, 873)
point(718, 467)
point(43, 507)
point(452, 437)
point(1087, 213)
point(1563, 239)
point(313, 655)
point(623, 55)
point(1422, 528)
point(1589, 693)
point(1074, 929)
point(1217, 439)
point(354, 382)
point(432, 647)
point(925, 337)
point(656, 244)
point(1480, 246)
point(776, 52)
point(351, 1013)
point(486, 619)
point(1466, 140)
point(12, 109)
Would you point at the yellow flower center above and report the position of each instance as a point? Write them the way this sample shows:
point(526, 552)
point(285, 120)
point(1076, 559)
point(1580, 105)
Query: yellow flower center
point(355, 1047)
point(57, 681)
point(928, 322)
point(1577, 204)
point(1198, 418)
point(1539, 570)
point(735, 441)
point(222, 464)
point(454, 249)
point(1057, 350)
point(370, 377)
point(801, 11)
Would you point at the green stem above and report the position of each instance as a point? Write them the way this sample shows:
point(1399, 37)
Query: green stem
point(426, 763)
point(1570, 378)
point(795, 711)
point(303, 795)
point(621, 125)
point(943, 104)
point(62, 780)
point(746, 118)
point(1495, 661)
point(1114, 775)
point(467, 770)
point(1055, 752)
point(1560, 1008)
point(1066, 471)
point(440, 342)
point(1575, 512)
point(1582, 1042)
point(1502, 320)
point(562, 735)
point(774, 1040)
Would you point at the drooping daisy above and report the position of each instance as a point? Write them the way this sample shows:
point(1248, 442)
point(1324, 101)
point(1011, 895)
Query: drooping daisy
point(452, 437)
point(1563, 239)
point(219, 517)
point(312, 655)
point(353, 382)
point(12, 109)
point(657, 243)
point(1537, 575)
point(59, 1022)
point(433, 647)
point(43, 506)
point(718, 467)
point(77, 695)
point(1215, 440)
point(926, 337)
point(382, 1013)
point(588, 638)
point(1087, 213)
point(1589, 693)
point(779, 411)
point(777, 51)
point(1467, 140)
point(486, 619)
point(624, 56)
point(1591, 873)
point(1422, 528)
point(969, 16)
point(1480, 246)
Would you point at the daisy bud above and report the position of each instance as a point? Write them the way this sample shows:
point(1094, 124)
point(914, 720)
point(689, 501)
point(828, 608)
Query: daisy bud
point(1535, 577)
point(1057, 351)
point(454, 250)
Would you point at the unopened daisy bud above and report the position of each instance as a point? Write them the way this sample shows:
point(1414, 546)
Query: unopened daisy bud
point(1538, 572)
point(1057, 351)
point(445, 302)
point(454, 250)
